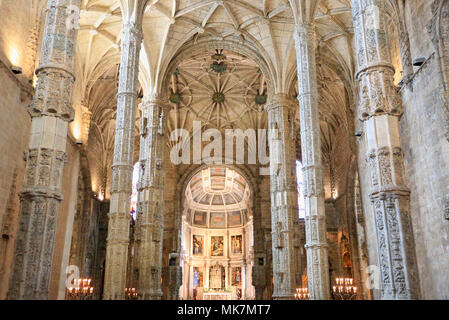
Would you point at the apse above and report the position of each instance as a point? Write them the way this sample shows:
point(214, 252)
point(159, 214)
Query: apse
point(217, 236)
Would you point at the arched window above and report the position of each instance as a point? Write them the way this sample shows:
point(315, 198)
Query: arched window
point(300, 183)
point(134, 194)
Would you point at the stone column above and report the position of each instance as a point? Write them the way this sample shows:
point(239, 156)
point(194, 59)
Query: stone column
point(315, 218)
point(174, 276)
point(122, 167)
point(284, 201)
point(259, 266)
point(87, 118)
point(51, 111)
point(150, 206)
point(380, 108)
point(404, 43)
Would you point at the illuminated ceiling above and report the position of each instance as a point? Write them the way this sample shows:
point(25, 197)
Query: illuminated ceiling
point(217, 197)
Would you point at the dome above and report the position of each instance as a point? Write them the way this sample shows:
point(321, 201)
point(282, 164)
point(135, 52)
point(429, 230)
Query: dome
point(217, 197)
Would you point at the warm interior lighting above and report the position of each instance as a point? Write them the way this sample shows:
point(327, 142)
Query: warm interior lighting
point(76, 132)
point(100, 197)
point(14, 56)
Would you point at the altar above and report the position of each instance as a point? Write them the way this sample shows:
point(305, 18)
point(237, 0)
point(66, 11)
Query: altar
point(217, 296)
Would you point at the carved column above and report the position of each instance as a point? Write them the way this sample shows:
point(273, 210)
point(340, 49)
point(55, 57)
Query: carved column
point(122, 167)
point(174, 276)
point(380, 108)
point(284, 201)
point(259, 267)
point(316, 242)
point(404, 43)
point(150, 206)
point(87, 118)
point(51, 111)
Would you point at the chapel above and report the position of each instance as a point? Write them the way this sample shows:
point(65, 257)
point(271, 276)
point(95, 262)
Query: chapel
point(224, 149)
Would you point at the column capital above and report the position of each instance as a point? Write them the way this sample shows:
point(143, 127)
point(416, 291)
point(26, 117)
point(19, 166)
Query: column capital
point(304, 32)
point(132, 29)
point(280, 100)
point(155, 100)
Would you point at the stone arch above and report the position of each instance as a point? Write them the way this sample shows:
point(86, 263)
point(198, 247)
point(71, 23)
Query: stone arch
point(190, 50)
point(185, 179)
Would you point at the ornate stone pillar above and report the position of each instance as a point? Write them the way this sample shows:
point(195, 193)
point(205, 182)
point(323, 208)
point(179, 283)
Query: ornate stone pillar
point(174, 276)
point(87, 118)
point(150, 206)
point(259, 267)
point(404, 43)
point(284, 201)
point(380, 108)
point(122, 167)
point(51, 111)
point(315, 218)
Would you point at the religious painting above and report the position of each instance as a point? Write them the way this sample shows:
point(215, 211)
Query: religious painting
point(236, 277)
point(198, 245)
point(217, 246)
point(236, 244)
point(200, 218)
point(197, 277)
point(217, 219)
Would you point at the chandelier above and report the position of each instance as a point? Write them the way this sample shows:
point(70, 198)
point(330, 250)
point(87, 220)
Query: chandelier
point(344, 289)
point(131, 294)
point(81, 290)
point(302, 294)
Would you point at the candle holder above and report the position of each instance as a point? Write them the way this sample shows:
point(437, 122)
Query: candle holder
point(302, 294)
point(81, 289)
point(131, 294)
point(344, 289)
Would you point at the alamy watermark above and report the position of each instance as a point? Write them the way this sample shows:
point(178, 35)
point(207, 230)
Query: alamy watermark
point(189, 147)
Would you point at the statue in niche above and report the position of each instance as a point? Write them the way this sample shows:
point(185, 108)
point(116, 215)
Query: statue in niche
point(216, 277)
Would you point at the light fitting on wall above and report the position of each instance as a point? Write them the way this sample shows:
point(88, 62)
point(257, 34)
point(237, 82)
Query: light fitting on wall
point(77, 134)
point(16, 69)
point(14, 57)
point(418, 62)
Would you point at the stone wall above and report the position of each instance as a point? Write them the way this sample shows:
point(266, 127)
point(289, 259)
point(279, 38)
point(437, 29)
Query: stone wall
point(426, 150)
point(14, 136)
point(427, 156)
point(14, 125)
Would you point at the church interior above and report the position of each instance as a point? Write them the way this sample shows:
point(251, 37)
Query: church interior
point(334, 186)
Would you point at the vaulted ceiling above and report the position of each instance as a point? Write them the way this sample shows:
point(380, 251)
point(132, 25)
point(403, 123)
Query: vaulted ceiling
point(180, 37)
